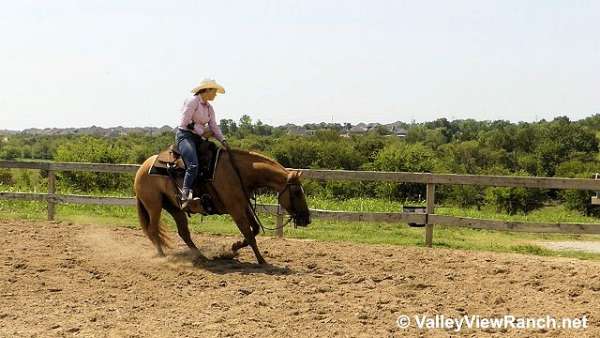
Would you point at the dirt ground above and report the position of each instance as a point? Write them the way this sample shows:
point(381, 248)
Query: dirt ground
point(85, 280)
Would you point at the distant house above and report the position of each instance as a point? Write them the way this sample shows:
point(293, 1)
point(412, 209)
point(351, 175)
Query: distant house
point(400, 132)
point(358, 129)
point(373, 125)
point(296, 130)
point(397, 128)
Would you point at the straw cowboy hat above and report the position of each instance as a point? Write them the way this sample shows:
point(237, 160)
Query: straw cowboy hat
point(208, 83)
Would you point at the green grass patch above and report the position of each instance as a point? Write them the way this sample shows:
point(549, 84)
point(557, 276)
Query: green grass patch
point(367, 233)
point(554, 214)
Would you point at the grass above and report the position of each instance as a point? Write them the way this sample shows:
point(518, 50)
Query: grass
point(368, 233)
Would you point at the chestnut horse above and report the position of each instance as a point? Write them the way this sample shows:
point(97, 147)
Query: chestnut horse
point(154, 193)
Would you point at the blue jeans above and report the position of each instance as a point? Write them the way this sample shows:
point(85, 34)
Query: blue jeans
point(187, 144)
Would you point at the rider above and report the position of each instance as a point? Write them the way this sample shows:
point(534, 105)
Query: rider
point(197, 116)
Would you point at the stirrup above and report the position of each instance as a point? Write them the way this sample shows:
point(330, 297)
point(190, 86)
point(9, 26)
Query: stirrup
point(187, 203)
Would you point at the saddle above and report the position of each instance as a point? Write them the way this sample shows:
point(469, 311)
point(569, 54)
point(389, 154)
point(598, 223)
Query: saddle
point(169, 163)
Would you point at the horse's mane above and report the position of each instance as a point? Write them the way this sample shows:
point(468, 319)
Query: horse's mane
point(261, 157)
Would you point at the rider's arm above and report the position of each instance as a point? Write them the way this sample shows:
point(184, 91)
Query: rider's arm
point(214, 127)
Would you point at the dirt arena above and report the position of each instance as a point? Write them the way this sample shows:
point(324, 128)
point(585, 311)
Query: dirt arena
point(85, 280)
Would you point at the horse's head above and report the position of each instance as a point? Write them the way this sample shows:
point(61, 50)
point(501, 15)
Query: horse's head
point(292, 199)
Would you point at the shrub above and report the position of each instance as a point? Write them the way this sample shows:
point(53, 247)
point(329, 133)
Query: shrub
point(514, 200)
point(404, 157)
point(6, 177)
point(579, 200)
point(97, 150)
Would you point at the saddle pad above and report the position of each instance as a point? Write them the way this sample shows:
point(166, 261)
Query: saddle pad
point(159, 168)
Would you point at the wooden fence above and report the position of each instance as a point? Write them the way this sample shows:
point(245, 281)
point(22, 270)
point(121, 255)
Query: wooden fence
point(429, 218)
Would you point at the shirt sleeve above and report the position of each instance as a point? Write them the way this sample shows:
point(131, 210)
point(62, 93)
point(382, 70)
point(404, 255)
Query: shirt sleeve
point(214, 127)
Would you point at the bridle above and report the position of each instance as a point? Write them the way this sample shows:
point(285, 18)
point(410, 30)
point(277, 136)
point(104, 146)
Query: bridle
point(292, 186)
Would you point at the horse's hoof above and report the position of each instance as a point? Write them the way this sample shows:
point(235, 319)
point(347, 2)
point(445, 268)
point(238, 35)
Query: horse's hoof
point(227, 255)
point(195, 253)
point(199, 259)
point(262, 261)
point(235, 247)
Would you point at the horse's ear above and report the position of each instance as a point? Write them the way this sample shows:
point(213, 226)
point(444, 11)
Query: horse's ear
point(294, 176)
point(299, 174)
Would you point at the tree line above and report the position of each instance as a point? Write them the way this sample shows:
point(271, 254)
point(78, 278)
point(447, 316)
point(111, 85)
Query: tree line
point(559, 147)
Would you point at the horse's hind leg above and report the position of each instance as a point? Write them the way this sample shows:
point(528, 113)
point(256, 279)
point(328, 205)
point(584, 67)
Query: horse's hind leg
point(182, 225)
point(153, 230)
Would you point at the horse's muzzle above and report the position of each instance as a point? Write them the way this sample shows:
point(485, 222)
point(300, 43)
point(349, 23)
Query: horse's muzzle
point(302, 219)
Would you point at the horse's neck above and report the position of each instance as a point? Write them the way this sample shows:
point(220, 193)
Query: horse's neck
point(260, 172)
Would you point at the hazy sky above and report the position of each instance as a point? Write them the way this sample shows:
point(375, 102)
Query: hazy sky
point(132, 63)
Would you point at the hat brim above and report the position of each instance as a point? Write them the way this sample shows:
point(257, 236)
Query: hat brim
point(219, 88)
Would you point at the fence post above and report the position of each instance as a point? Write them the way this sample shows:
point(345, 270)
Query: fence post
point(51, 192)
point(279, 228)
point(430, 210)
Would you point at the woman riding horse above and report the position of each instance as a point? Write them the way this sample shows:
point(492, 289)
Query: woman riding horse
point(197, 115)
point(237, 175)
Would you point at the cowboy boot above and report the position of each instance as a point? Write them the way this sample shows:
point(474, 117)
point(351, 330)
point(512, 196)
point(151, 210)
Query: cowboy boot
point(186, 198)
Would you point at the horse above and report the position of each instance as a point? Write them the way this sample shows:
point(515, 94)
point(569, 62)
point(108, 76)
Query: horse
point(238, 173)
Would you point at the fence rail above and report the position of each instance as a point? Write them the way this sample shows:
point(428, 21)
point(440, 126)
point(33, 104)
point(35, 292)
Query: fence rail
point(349, 175)
point(429, 218)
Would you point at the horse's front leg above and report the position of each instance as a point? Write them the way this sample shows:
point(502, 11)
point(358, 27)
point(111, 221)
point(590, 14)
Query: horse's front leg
point(239, 245)
point(243, 223)
point(254, 246)
point(244, 243)
point(252, 242)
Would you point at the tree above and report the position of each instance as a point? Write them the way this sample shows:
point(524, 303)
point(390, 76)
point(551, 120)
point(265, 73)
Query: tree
point(97, 150)
point(262, 129)
point(404, 157)
point(579, 200)
point(10, 152)
point(246, 127)
point(513, 200)
point(435, 138)
point(368, 146)
point(296, 152)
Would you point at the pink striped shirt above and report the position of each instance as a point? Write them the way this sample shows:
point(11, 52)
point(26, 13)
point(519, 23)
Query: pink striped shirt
point(201, 113)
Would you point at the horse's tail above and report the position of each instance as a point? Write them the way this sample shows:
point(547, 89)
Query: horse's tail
point(155, 230)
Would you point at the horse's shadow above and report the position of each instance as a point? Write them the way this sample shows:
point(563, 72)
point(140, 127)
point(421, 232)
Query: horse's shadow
point(225, 264)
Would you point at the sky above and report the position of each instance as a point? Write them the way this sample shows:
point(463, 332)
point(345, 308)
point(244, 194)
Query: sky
point(132, 63)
